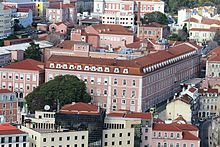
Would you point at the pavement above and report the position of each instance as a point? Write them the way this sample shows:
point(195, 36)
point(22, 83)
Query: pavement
point(203, 133)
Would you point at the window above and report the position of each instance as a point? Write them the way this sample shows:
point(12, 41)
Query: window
point(164, 144)
point(115, 81)
point(115, 92)
point(158, 144)
point(82, 145)
point(92, 80)
point(113, 143)
point(106, 81)
point(159, 134)
point(120, 142)
point(120, 135)
point(124, 82)
point(52, 139)
point(165, 135)
point(146, 137)
point(106, 135)
point(191, 145)
point(184, 145)
point(75, 137)
point(133, 82)
point(128, 142)
point(113, 135)
point(177, 145)
point(105, 92)
point(106, 143)
point(17, 145)
point(129, 134)
point(132, 93)
point(83, 137)
point(9, 139)
point(3, 140)
point(171, 135)
point(60, 138)
point(24, 144)
point(91, 91)
point(124, 93)
point(17, 139)
point(28, 77)
point(21, 76)
point(44, 140)
point(178, 135)
point(123, 101)
point(24, 138)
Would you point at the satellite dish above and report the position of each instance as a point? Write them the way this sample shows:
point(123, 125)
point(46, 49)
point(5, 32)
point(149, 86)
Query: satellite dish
point(46, 107)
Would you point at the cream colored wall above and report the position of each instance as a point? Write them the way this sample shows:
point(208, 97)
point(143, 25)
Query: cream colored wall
point(127, 122)
point(176, 108)
point(37, 138)
point(125, 137)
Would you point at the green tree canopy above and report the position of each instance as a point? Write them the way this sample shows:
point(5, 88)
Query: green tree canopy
point(155, 17)
point(65, 89)
point(33, 52)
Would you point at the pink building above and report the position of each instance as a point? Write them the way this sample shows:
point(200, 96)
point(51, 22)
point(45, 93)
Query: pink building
point(61, 13)
point(103, 35)
point(61, 27)
point(133, 83)
point(152, 31)
point(8, 106)
point(22, 77)
point(174, 134)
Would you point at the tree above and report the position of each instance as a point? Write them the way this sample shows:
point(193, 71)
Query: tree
point(62, 89)
point(155, 17)
point(174, 37)
point(33, 52)
point(217, 37)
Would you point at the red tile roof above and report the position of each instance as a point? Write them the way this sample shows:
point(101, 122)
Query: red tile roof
point(189, 136)
point(23, 10)
point(130, 114)
point(192, 89)
point(192, 20)
point(7, 129)
point(209, 90)
point(28, 64)
point(5, 91)
point(79, 108)
point(112, 29)
point(166, 127)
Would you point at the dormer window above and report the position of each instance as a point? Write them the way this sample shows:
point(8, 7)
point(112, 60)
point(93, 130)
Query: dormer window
point(100, 69)
point(116, 70)
point(107, 69)
point(79, 67)
point(51, 65)
point(93, 68)
point(125, 71)
point(58, 66)
point(64, 66)
point(86, 68)
point(71, 67)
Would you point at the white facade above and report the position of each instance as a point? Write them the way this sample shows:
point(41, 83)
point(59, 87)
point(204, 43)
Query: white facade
point(118, 137)
point(5, 22)
point(48, 138)
point(175, 108)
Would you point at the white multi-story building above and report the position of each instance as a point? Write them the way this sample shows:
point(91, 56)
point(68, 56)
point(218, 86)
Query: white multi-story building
point(123, 11)
point(5, 22)
point(10, 136)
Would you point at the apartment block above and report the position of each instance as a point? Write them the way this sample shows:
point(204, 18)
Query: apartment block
point(22, 77)
point(5, 21)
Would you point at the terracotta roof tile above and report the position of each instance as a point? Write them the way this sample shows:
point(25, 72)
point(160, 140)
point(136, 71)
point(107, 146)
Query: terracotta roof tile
point(209, 90)
point(112, 29)
point(5, 91)
point(192, 20)
point(192, 89)
point(130, 114)
point(189, 136)
point(80, 106)
point(6, 129)
point(28, 64)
